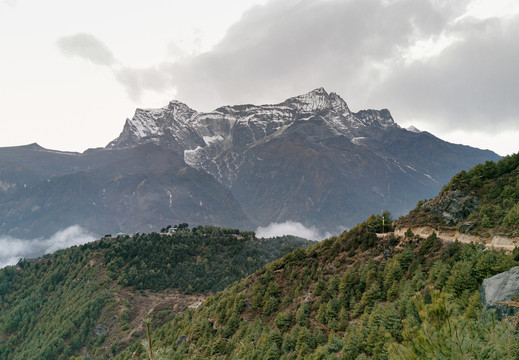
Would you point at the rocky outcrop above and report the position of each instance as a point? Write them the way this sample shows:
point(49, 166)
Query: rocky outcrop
point(500, 289)
point(308, 159)
point(453, 206)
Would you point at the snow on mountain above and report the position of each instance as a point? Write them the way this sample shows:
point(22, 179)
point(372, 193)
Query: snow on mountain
point(413, 129)
point(308, 159)
point(378, 118)
point(190, 132)
point(317, 99)
point(216, 142)
point(168, 124)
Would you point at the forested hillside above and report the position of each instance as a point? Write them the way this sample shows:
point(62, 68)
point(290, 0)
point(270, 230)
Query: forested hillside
point(366, 294)
point(91, 300)
point(356, 296)
point(208, 258)
point(496, 185)
point(482, 201)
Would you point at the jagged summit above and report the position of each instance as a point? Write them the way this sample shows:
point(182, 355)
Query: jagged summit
point(307, 159)
point(168, 124)
point(339, 105)
point(380, 118)
point(201, 138)
point(412, 128)
point(185, 129)
point(180, 110)
point(319, 99)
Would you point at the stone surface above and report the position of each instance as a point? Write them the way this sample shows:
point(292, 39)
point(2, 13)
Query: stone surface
point(501, 288)
point(309, 159)
point(100, 330)
point(454, 206)
point(181, 339)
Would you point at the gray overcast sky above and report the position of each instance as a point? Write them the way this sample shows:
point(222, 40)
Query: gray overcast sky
point(71, 72)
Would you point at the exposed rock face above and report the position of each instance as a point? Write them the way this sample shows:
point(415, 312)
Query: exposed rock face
point(454, 206)
point(501, 288)
point(168, 125)
point(308, 159)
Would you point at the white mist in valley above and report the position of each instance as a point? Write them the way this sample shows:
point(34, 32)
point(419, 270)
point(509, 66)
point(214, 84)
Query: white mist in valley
point(13, 249)
point(291, 228)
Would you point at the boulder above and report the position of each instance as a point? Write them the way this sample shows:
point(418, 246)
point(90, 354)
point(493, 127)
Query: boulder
point(501, 288)
point(181, 339)
point(99, 330)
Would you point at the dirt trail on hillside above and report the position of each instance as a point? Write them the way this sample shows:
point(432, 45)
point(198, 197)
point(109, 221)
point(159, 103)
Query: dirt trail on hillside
point(452, 235)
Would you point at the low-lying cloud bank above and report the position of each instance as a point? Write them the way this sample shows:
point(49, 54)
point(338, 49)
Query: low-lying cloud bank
point(291, 228)
point(12, 249)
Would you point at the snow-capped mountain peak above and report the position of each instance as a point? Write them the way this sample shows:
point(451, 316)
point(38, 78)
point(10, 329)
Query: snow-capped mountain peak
point(339, 105)
point(413, 129)
point(317, 99)
point(180, 111)
point(379, 118)
point(168, 124)
point(203, 137)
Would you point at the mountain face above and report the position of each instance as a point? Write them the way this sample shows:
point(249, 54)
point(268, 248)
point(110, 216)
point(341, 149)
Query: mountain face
point(308, 159)
point(141, 188)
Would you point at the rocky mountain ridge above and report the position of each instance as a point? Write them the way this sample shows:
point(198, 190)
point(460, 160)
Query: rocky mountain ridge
point(202, 137)
point(308, 159)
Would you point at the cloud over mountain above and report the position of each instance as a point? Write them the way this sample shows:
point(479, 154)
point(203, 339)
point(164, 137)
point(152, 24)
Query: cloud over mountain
point(440, 65)
point(419, 58)
point(291, 228)
point(12, 249)
point(443, 66)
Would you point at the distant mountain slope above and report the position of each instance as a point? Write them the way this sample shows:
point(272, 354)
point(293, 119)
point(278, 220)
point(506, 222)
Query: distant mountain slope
point(109, 191)
point(91, 300)
point(308, 159)
point(27, 165)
